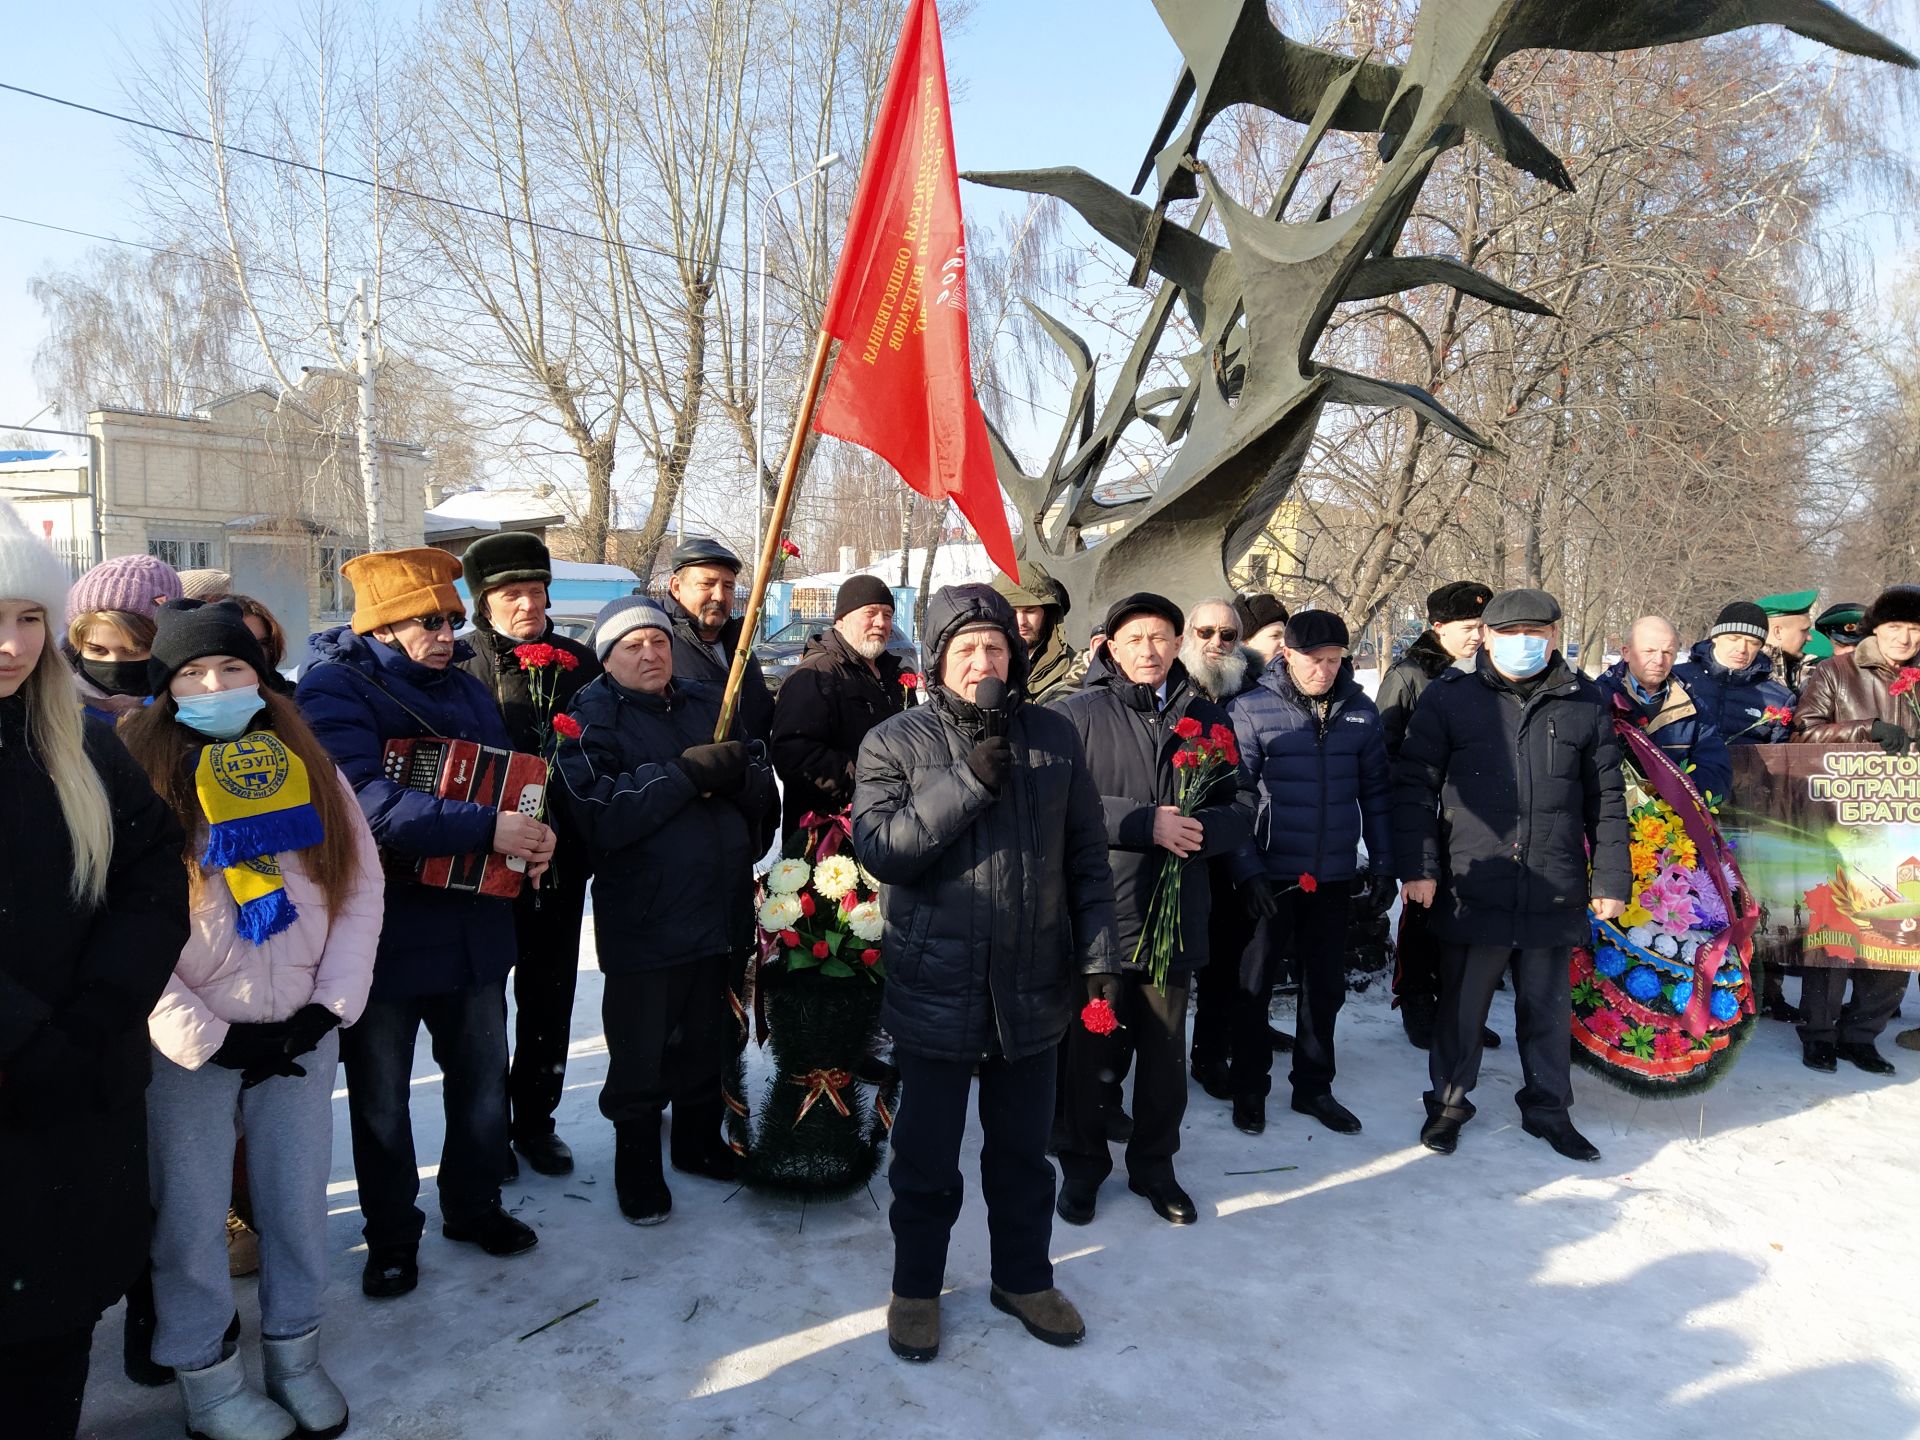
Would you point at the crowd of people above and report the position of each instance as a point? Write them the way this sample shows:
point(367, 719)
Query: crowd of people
point(215, 886)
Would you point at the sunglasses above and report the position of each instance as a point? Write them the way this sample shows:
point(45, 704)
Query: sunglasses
point(1207, 632)
point(432, 624)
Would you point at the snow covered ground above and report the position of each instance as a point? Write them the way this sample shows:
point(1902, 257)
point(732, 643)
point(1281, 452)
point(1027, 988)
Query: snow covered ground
point(1746, 1268)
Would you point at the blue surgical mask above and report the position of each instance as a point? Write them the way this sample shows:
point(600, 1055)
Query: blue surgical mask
point(219, 714)
point(1521, 656)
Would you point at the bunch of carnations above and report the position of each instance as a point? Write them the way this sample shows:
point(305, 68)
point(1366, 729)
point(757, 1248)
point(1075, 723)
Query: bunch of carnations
point(1203, 757)
point(824, 916)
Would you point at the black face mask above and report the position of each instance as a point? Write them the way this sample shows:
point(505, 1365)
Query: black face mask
point(119, 677)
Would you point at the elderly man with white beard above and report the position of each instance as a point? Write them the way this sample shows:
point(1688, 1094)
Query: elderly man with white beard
point(1221, 666)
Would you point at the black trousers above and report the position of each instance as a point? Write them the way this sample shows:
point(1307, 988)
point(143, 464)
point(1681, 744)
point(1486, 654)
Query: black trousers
point(42, 1383)
point(1542, 1008)
point(1156, 1032)
point(1016, 1108)
point(468, 1029)
point(1313, 930)
point(544, 979)
point(1216, 985)
point(1416, 963)
point(666, 1044)
point(1876, 995)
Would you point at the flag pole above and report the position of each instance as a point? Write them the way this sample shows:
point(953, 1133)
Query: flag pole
point(776, 528)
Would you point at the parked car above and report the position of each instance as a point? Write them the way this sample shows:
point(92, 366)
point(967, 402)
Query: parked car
point(780, 652)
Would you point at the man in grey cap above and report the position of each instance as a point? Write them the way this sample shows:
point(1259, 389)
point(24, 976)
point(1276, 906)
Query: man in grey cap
point(706, 632)
point(674, 823)
point(1508, 775)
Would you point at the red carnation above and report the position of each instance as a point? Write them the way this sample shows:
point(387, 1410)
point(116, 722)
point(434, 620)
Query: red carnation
point(790, 938)
point(821, 949)
point(1187, 728)
point(806, 903)
point(1099, 1018)
point(568, 726)
point(535, 656)
point(909, 680)
point(566, 659)
point(869, 957)
point(1221, 734)
point(1307, 883)
point(789, 549)
point(1185, 759)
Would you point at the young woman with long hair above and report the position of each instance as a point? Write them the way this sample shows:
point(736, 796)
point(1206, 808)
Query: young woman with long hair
point(286, 900)
point(110, 630)
point(95, 913)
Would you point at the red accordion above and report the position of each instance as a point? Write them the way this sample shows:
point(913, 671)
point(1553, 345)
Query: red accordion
point(480, 775)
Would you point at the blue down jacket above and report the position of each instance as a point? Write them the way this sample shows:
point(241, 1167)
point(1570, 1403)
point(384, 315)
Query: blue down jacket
point(1320, 795)
point(1735, 699)
point(358, 694)
point(1676, 724)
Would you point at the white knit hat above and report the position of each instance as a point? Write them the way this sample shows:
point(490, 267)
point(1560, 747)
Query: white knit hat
point(29, 570)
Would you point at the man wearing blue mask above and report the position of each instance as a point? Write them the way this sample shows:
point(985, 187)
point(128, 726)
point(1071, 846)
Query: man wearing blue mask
point(1508, 775)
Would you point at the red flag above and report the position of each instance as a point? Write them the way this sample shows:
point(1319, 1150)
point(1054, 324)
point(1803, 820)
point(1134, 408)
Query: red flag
point(903, 385)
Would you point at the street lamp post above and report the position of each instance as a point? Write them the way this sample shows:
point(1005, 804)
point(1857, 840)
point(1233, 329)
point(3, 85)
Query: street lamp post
point(820, 168)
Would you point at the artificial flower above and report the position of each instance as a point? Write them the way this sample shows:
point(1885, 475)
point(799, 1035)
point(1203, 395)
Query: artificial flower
point(787, 876)
point(869, 957)
point(865, 921)
point(790, 938)
point(835, 876)
point(779, 912)
point(1606, 1025)
point(821, 950)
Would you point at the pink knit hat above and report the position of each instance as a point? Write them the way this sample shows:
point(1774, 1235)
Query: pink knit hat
point(138, 584)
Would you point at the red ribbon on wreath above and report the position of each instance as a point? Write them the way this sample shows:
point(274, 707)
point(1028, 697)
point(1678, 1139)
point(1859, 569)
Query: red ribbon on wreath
point(820, 1084)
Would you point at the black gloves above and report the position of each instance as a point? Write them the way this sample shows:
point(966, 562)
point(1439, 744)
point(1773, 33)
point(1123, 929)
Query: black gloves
point(1105, 986)
point(307, 1028)
point(1381, 889)
point(1257, 894)
point(992, 761)
point(717, 769)
point(258, 1052)
point(1890, 737)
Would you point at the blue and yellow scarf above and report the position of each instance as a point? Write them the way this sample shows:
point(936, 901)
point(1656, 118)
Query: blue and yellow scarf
point(255, 795)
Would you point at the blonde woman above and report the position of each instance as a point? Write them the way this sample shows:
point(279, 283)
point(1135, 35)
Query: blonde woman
point(94, 908)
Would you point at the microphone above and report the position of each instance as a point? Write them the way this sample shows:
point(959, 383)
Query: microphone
point(990, 699)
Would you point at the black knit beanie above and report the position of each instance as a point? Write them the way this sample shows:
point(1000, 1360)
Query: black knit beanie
point(860, 591)
point(1742, 617)
point(187, 630)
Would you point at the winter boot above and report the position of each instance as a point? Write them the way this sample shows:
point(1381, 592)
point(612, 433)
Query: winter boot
point(695, 1146)
point(639, 1180)
point(221, 1407)
point(1447, 1111)
point(1077, 1202)
point(913, 1328)
point(1250, 1114)
point(1047, 1314)
point(298, 1385)
point(243, 1248)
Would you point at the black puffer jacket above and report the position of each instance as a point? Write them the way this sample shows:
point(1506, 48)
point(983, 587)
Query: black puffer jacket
point(1403, 684)
point(76, 987)
point(992, 902)
point(672, 869)
point(694, 660)
point(1499, 799)
point(1130, 743)
point(824, 710)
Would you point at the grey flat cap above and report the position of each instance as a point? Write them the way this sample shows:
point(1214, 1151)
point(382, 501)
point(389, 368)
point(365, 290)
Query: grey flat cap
point(1521, 607)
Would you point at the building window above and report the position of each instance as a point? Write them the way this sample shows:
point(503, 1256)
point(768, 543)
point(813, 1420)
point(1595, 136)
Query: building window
point(182, 554)
point(335, 589)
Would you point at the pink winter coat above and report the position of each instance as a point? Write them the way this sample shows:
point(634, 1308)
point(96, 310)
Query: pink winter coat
point(223, 979)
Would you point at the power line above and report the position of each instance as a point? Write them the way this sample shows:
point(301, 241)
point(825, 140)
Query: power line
point(371, 184)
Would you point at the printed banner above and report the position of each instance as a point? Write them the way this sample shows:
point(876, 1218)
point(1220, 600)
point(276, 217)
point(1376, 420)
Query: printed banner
point(1828, 837)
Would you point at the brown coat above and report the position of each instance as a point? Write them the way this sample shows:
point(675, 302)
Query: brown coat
point(1845, 696)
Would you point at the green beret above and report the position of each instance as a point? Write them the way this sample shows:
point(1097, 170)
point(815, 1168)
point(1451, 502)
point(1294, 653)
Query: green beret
point(1789, 602)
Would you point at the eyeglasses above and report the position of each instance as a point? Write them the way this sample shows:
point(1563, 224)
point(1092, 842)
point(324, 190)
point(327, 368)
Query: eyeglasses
point(432, 624)
point(1207, 632)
